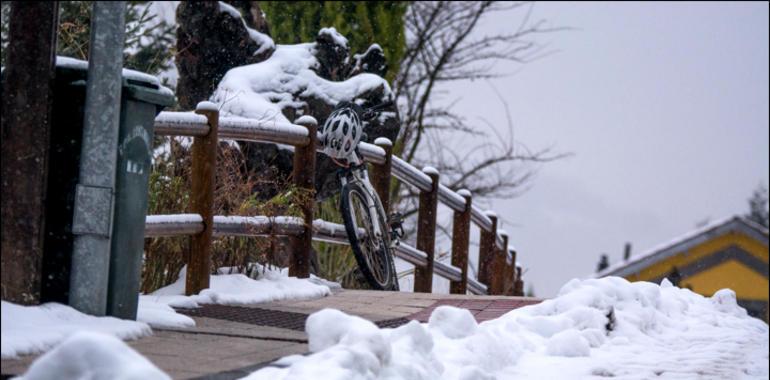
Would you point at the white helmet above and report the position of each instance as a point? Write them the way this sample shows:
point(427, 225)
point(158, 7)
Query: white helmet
point(342, 130)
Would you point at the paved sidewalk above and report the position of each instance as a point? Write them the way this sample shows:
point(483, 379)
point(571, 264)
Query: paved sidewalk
point(231, 342)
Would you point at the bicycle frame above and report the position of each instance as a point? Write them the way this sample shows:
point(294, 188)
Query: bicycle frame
point(357, 172)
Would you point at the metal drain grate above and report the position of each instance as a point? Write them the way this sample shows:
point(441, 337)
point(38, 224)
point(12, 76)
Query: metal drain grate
point(250, 315)
point(266, 317)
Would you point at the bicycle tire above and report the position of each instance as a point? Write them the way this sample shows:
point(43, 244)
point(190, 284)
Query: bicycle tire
point(374, 258)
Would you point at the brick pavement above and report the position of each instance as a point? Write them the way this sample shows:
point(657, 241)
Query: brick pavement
point(227, 349)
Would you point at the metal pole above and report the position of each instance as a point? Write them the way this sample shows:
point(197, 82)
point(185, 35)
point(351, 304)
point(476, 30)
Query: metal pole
point(304, 180)
point(26, 125)
point(204, 163)
point(426, 233)
point(461, 231)
point(92, 221)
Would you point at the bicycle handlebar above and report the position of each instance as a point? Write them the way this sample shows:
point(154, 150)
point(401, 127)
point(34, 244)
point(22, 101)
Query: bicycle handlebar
point(371, 112)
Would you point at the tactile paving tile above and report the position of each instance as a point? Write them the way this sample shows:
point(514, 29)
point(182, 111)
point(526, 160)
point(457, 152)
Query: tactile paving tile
point(266, 317)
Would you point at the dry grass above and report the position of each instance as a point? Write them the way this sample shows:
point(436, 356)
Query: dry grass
point(236, 193)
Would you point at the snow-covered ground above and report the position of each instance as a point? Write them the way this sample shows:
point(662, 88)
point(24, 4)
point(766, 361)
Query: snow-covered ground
point(225, 288)
point(35, 329)
point(95, 356)
point(595, 328)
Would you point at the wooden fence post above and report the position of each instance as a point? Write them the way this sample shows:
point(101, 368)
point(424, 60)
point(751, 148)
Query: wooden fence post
point(204, 163)
point(461, 231)
point(518, 287)
point(304, 179)
point(512, 272)
point(381, 174)
point(487, 248)
point(426, 232)
point(498, 266)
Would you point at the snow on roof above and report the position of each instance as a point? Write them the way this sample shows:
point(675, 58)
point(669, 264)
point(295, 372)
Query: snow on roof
point(685, 240)
point(262, 90)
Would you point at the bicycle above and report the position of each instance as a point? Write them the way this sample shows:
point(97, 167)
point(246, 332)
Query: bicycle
point(372, 236)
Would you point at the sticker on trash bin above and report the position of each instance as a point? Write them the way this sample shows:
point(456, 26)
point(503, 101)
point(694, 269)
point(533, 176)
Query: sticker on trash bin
point(135, 148)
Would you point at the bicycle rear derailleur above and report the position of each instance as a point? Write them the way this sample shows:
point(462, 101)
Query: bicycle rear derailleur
point(396, 227)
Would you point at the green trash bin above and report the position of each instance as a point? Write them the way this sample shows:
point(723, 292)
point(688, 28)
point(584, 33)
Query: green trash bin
point(141, 100)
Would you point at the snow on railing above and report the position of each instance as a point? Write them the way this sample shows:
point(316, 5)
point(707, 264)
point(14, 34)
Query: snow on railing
point(450, 198)
point(181, 124)
point(412, 255)
point(448, 271)
point(238, 128)
point(476, 287)
point(197, 124)
point(173, 225)
point(411, 175)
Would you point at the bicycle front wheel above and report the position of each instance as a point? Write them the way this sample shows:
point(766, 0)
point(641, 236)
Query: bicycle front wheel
point(371, 245)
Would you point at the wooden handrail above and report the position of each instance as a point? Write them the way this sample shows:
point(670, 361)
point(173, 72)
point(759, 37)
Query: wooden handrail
point(198, 125)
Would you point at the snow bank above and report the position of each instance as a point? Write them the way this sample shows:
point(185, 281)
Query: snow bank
point(95, 356)
point(34, 329)
point(605, 327)
point(239, 289)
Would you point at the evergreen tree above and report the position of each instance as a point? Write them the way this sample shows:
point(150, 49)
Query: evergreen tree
point(362, 23)
point(758, 208)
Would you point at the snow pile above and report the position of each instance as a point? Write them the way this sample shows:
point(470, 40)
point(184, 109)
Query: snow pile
point(87, 355)
point(158, 314)
point(34, 329)
point(228, 288)
point(605, 327)
point(261, 90)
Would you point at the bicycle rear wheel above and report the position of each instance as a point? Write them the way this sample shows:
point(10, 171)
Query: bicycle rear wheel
point(371, 247)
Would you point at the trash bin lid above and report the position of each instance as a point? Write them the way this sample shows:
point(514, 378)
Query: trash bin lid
point(138, 85)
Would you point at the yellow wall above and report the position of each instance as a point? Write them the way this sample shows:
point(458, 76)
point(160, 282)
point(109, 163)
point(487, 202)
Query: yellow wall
point(747, 283)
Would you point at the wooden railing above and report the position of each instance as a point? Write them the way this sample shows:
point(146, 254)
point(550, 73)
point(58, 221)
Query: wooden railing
point(496, 273)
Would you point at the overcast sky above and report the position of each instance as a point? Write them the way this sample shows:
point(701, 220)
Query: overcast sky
point(665, 107)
